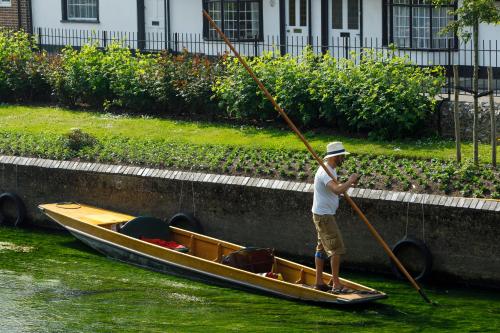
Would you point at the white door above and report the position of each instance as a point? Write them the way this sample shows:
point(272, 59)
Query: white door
point(345, 16)
point(154, 18)
point(297, 25)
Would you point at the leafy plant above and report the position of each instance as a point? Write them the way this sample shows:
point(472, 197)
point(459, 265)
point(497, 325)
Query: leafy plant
point(77, 139)
point(21, 68)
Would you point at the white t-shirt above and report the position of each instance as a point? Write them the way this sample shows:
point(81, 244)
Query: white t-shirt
point(325, 202)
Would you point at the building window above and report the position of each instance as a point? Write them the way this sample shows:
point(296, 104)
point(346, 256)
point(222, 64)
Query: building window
point(303, 13)
point(81, 10)
point(416, 24)
point(337, 14)
point(240, 20)
point(5, 3)
point(353, 14)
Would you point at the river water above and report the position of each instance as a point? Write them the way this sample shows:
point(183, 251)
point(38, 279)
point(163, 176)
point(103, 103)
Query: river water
point(50, 282)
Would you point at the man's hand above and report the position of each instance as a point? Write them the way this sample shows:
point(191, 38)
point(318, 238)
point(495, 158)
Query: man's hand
point(341, 188)
point(353, 179)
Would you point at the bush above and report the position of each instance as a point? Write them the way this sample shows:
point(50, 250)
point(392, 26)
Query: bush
point(387, 97)
point(191, 78)
point(21, 68)
point(77, 77)
point(76, 139)
point(132, 79)
point(116, 78)
point(287, 78)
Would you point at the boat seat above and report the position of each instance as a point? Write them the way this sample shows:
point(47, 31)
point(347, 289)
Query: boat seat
point(146, 227)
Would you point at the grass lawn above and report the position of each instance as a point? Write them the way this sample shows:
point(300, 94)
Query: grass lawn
point(421, 166)
point(30, 119)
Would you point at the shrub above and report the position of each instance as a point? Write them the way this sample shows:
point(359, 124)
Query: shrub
point(238, 95)
point(76, 139)
point(132, 79)
point(287, 78)
point(116, 78)
point(192, 77)
point(77, 77)
point(387, 96)
point(21, 68)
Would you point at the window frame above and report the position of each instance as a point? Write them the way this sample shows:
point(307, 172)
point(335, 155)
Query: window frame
point(206, 25)
point(66, 19)
point(7, 3)
point(388, 23)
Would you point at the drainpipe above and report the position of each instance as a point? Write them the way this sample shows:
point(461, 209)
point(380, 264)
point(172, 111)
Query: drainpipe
point(18, 14)
point(309, 12)
point(361, 23)
point(282, 27)
point(167, 24)
point(30, 18)
point(141, 25)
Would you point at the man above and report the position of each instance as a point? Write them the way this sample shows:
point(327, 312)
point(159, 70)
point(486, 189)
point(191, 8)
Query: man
point(325, 204)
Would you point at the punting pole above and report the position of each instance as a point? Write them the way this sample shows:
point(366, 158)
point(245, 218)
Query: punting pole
point(317, 158)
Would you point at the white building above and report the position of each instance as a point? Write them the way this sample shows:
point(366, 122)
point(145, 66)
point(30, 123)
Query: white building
point(254, 25)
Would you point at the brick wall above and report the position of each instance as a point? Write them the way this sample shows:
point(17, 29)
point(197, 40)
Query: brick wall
point(10, 18)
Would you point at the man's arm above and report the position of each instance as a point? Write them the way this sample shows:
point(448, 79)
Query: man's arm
point(338, 188)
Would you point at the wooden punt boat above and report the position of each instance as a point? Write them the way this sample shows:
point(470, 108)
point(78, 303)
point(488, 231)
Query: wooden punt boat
point(97, 228)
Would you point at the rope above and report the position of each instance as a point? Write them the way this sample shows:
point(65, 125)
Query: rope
point(192, 190)
point(17, 179)
point(3, 177)
point(180, 196)
point(191, 178)
point(423, 222)
point(408, 219)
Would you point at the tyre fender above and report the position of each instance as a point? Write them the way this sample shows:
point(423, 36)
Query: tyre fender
point(186, 221)
point(423, 251)
point(19, 207)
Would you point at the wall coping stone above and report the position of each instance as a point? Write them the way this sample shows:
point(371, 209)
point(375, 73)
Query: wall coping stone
point(280, 185)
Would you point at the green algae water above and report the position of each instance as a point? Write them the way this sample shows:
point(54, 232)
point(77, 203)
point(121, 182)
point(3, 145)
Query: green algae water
point(50, 282)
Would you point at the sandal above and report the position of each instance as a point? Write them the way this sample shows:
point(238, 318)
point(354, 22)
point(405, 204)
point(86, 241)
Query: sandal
point(343, 290)
point(322, 287)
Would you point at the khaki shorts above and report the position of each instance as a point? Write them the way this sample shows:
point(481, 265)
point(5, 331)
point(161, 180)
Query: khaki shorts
point(329, 236)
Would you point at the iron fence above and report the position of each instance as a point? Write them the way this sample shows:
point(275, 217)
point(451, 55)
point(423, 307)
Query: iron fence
point(457, 53)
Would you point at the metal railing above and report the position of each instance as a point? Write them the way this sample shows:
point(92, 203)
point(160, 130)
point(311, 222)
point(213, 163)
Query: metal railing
point(461, 54)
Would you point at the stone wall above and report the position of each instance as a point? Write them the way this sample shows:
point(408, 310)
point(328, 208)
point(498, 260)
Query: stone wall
point(461, 233)
point(466, 112)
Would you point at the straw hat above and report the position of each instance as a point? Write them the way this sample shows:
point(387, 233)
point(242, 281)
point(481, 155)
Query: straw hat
point(335, 149)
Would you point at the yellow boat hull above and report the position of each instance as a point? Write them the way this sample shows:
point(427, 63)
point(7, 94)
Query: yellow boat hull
point(96, 227)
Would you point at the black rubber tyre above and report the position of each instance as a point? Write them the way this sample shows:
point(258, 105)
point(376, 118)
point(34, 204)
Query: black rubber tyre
point(18, 205)
point(186, 221)
point(145, 226)
point(423, 252)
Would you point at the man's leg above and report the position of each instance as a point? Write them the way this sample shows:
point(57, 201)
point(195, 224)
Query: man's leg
point(320, 264)
point(335, 262)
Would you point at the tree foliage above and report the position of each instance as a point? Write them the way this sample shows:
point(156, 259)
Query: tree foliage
point(468, 13)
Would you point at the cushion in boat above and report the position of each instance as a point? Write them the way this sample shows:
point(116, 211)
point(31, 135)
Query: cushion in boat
point(256, 260)
point(146, 227)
